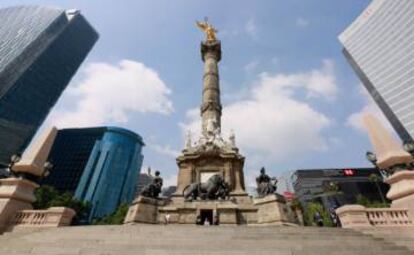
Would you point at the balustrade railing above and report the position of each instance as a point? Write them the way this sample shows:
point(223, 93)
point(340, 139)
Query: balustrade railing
point(388, 217)
point(52, 217)
point(357, 216)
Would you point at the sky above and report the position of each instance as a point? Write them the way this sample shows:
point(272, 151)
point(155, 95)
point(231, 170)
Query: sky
point(288, 92)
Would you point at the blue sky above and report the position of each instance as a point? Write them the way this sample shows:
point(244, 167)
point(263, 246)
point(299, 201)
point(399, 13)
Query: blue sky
point(287, 90)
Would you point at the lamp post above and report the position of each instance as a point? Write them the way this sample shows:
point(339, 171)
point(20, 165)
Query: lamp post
point(16, 158)
point(371, 157)
point(375, 179)
point(13, 160)
point(48, 168)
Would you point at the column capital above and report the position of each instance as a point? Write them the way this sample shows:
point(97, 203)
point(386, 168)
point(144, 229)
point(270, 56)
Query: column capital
point(213, 48)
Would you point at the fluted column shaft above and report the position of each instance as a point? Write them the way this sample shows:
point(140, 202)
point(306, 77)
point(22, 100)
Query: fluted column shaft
point(211, 104)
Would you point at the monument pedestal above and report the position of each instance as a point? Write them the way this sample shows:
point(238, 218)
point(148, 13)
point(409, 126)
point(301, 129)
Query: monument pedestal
point(353, 216)
point(401, 190)
point(224, 211)
point(272, 210)
point(269, 210)
point(144, 210)
point(15, 195)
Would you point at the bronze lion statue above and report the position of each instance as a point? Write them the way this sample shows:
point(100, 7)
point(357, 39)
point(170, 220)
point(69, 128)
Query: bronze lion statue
point(214, 188)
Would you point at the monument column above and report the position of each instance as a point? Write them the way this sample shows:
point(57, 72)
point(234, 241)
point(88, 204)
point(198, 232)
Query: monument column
point(211, 106)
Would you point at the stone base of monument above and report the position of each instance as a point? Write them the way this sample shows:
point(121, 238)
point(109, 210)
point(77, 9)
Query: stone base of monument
point(144, 210)
point(15, 195)
point(401, 190)
point(224, 211)
point(272, 210)
point(240, 210)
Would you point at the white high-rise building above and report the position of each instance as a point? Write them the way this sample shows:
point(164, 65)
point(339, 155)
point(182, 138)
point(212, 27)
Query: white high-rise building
point(379, 45)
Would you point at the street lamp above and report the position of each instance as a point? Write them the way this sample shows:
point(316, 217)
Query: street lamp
point(371, 158)
point(47, 169)
point(409, 147)
point(13, 160)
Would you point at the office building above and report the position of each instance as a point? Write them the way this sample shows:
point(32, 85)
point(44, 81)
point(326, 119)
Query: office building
point(40, 50)
point(312, 185)
point(379, 46)
point(99, 165)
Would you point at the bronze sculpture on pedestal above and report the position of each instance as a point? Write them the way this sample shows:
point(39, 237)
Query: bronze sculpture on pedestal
point(153, 189)
point(265, 184)
point(214, 188)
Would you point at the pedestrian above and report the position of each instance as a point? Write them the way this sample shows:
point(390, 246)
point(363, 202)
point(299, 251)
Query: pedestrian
point(167, 219)
point(333, 216)
point(318, 219)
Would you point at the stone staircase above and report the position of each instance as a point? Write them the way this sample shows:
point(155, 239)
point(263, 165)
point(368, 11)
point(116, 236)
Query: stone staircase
point(194, 240)
point(402, 236)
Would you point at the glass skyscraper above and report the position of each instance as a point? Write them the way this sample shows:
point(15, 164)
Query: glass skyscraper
point(40, 50)
point(379, 46)
point(99, 165)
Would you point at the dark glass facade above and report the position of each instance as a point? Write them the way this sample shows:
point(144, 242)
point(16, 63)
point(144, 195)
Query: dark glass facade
point(40, 50)
point(311, 186)
point(98, 165)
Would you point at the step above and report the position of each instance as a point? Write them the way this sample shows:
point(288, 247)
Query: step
point(178, 239)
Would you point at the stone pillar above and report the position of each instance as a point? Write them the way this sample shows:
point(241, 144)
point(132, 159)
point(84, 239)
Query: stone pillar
point(402, 190)
point(35, 156)
point(15, 195)
point(388, 151)
point(353, 216)
point(390, 154)
point(185, 176)
point(211, 105)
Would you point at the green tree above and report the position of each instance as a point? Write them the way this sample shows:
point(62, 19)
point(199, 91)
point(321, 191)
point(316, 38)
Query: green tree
point(48, 196)
point(295, 204)
point(44, 194)
point(376, 179)
point(364, 201)
point(116, 218)
point(311, 209)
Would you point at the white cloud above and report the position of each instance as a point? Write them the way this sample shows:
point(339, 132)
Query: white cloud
point(301, 22)
point(251, 28)
point(355, 120)
point(108, 93)
point(317, 83)
point(271, 121)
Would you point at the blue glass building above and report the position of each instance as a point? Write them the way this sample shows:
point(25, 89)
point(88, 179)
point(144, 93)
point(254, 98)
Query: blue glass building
point(40, 50)
point(99, 165)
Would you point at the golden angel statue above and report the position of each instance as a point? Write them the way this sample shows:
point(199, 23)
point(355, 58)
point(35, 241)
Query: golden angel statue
point(208, 29)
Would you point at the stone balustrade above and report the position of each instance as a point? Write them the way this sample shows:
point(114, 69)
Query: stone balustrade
point(52, 217)
point(388, 217)
point(357, 216)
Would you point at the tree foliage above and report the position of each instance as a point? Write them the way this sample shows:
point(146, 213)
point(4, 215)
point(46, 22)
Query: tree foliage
point(48, 196)
point(116, 218)
point(311, 209)
point(364, 201)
